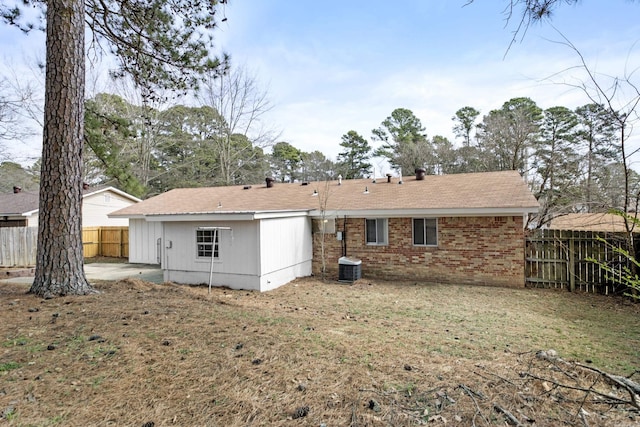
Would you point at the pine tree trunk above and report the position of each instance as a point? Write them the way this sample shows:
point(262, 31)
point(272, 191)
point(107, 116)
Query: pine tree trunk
point(59, 265)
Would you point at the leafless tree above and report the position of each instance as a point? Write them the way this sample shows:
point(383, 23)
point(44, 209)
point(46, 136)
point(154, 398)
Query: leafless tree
point(323, 193)
point(242, 105)
point(620, 97)
point(19, 108)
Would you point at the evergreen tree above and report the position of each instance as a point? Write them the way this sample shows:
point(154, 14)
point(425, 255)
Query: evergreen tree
point(404, 142)
point(106, 132)
point(596, 136)
point(160, 44)
point(506, 137)
point(556, 163)
point(315, 166)
point(353, 160)
point(285, 161)
point(465, 122)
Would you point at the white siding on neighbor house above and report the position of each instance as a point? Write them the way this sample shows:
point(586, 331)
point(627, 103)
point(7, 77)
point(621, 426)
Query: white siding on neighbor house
point(237, 266)
point(286, 248)
point(32, 220)
point(143, 241)
point(96, 207)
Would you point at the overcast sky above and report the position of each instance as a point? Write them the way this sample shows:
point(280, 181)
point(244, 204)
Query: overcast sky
point(331, 67)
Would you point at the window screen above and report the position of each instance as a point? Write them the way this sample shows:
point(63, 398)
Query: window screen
point(205, 243)
point(376, 231)
point(425, 231)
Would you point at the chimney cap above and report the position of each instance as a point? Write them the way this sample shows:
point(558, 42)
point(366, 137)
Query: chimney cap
point(16, 189)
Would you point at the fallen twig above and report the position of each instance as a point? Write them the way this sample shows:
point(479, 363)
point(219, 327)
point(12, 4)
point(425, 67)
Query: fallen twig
point(630, 386)
point(511, 419)
point(583, 418)
point(615, 399)
point(495, 375)
point(471, 394)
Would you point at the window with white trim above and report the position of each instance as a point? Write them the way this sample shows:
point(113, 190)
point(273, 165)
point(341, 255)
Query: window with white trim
point(376, 231)
point(425, 231)
point(206, 245)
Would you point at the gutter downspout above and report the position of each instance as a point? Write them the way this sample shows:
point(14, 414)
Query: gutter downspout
point(344, 236)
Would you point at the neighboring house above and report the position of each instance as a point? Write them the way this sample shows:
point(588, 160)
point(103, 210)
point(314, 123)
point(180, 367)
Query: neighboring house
point(466, 228)
point(602, 222)
point(20, 208)
point(99, 202)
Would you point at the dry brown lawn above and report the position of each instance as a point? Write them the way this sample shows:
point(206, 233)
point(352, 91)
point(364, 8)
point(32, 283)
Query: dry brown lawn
point(317, 354)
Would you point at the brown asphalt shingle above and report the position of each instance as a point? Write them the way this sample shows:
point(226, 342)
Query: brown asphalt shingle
point(18, 203)
point(491, 190)
point(604, 222)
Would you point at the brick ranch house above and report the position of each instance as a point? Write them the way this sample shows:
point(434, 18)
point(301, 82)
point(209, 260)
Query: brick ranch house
point(465, 228)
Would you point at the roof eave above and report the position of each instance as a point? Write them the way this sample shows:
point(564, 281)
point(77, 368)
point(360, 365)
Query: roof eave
point(113, 189)
point(215, 216)
point(435, 212)
point(27, 213)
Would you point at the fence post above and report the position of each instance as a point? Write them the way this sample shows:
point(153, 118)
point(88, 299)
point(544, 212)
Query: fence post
point(120, 242)
point(572, 264)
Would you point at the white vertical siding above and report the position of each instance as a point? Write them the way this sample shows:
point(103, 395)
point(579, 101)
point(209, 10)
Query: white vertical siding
point(32, 220)
point(96, 207)
point(286, 250)
point(237, 266)
point(143, 238)
point(259, 254)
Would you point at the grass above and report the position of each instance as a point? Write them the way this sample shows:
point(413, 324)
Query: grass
point(176, 355)
point(8, 366)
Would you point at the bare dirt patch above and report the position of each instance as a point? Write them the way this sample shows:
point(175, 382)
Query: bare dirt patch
point(314, 353)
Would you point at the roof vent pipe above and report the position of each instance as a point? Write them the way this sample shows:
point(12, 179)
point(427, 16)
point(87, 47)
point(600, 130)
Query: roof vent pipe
point(339, 179)
point(388, 177)
point(420, 173)
point(16, 190)
point(269, 181)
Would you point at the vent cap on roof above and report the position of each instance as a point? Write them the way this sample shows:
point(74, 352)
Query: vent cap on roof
point(420, 173)
point(269, 181)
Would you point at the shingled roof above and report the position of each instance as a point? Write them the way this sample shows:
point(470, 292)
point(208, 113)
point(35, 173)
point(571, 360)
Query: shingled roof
point(602, 222)
point(12, 204)
point(503, 192)
point(23, 202)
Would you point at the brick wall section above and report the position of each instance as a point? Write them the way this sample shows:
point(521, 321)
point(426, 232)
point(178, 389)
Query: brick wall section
point(471, 250)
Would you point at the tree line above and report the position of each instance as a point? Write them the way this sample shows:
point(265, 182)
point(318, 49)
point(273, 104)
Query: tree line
point(571, 159)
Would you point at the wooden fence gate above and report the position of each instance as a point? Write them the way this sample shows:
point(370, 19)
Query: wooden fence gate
point(18, 245)
point(560, 259)
point(105, 241)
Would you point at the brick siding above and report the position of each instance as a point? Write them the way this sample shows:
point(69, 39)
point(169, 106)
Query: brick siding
point(470, 250)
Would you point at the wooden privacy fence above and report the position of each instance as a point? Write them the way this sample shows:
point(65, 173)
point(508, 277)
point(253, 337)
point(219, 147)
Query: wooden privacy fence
point(559, 259)
point(105, 241)
point(18, 245)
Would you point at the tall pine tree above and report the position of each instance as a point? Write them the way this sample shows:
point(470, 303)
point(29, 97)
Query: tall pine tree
point(159, 44)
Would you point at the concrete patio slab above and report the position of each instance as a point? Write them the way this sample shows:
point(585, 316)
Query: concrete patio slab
point(109, 271)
